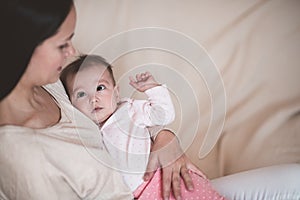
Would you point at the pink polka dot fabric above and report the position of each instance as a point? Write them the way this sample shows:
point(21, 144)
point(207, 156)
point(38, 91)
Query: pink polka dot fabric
point(151, 190)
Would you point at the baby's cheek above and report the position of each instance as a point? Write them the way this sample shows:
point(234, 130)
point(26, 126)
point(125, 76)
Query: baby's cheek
point(82, 107)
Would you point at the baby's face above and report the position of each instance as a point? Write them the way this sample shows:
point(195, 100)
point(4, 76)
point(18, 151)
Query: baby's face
point(94, 93)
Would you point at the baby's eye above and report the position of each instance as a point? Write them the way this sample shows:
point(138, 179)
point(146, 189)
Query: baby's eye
point(101, 87)
point(80, 94)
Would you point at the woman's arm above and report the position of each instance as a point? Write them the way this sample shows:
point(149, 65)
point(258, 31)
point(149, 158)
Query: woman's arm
point(167, 154)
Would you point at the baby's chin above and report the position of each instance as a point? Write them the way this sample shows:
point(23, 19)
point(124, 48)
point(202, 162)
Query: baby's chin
point(98, 122)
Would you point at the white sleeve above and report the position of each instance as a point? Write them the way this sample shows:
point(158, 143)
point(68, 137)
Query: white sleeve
point(157, 110)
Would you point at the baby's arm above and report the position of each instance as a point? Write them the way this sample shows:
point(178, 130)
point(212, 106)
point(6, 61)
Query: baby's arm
point(143, 82)
point(158, 109)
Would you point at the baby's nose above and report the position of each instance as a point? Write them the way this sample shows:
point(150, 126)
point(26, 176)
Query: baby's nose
point(94, 99)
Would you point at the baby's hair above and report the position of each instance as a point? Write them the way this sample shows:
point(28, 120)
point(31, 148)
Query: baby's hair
point(81, 62)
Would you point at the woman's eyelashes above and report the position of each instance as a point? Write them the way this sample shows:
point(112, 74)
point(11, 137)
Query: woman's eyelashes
point(63, 46)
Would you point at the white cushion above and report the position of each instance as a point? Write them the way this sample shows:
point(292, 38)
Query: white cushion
point(278, 182)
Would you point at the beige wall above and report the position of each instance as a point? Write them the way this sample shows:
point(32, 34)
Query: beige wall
point(241, 57)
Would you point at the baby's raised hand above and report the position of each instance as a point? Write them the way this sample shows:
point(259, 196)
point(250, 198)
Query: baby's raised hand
point(143, 81)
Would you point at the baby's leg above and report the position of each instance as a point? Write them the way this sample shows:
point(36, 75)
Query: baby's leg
point(202, 189)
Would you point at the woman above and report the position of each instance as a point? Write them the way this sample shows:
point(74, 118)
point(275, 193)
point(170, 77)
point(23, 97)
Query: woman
point(44, 152)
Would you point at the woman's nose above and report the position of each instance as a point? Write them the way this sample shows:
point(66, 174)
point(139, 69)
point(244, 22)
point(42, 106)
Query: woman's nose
point(70, 50)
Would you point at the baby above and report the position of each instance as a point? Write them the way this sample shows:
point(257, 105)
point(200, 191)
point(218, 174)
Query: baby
point(124, 123)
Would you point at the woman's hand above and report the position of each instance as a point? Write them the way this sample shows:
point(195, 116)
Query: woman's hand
point(167, 154)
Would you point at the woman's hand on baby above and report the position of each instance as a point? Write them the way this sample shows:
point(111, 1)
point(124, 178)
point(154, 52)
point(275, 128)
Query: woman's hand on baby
point(167, 154)
point(143, 81)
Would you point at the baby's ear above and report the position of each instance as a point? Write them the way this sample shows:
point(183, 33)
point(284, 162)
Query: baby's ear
point(117, 89)
point(117, 92)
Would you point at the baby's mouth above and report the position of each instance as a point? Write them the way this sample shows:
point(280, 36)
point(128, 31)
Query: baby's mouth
point(96, 109)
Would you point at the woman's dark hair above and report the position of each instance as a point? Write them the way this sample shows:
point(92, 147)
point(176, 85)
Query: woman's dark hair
point(26, 24)
point(83, 61)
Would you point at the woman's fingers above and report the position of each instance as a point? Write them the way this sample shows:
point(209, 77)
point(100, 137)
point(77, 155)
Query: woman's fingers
point(152, 166)
point(176, 186)
point(166, 180)
point(175, 165)
point(188, 182)
point(195, 169)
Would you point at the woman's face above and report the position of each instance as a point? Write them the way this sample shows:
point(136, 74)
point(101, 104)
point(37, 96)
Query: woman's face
point(49, 57)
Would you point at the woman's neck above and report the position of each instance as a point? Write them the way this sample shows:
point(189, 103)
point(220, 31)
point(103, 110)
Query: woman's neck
point(32, 107)
point(26, 98)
